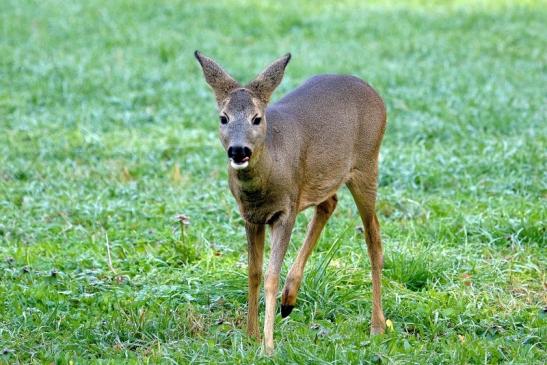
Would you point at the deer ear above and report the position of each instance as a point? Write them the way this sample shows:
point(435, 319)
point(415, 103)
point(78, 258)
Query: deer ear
point(266, 82)
point(221, 82)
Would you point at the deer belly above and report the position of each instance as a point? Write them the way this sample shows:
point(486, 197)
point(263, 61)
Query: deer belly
point(317, 195)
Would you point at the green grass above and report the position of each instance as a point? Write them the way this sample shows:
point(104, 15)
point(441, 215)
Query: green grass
point(108, 131)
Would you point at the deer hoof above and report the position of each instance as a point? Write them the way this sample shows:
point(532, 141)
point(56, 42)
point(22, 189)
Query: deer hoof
point(376, 330)
point(268, 350)
point(286, 310)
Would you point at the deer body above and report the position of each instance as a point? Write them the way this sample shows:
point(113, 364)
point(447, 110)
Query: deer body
point(294, 154)
point(316, 138)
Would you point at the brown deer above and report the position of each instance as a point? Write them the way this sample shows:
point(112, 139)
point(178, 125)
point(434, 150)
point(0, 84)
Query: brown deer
point(294, 154)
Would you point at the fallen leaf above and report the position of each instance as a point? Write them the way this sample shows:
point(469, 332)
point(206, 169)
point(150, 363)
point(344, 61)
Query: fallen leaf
point(175, 174)
point(389, 325)
point(126, 175)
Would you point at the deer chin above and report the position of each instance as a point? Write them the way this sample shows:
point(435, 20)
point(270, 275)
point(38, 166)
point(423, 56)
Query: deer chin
point(239, 166)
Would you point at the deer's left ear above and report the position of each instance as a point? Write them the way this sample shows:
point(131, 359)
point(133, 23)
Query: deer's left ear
point(266, 82)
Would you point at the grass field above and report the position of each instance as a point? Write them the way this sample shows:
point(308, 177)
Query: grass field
point(108, 132)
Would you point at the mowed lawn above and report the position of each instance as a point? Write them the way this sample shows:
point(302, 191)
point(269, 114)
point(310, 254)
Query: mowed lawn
point(108, 132)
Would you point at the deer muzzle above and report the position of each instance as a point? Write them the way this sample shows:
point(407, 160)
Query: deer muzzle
point(239, 156)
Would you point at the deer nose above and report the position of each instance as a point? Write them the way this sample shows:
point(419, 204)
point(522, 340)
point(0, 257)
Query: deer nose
point(239, 153)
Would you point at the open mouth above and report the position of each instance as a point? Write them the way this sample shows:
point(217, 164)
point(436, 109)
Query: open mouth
point(239, 164)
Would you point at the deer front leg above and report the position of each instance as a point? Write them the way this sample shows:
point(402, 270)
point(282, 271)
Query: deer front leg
point(255, 249)
point(281, 235)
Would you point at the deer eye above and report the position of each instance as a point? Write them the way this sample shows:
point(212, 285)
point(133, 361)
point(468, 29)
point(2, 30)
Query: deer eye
point(257, 120)
point(223, 119)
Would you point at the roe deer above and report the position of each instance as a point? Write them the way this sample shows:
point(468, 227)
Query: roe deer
point(294, 154)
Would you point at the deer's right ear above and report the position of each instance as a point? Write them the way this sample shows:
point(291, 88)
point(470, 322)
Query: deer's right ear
point(221, 82)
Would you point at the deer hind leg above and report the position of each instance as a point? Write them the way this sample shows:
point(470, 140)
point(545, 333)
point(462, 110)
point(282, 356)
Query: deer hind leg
point(322, 213)
point(363, 189)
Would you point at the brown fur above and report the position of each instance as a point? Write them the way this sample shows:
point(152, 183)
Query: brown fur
point(324, 134)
